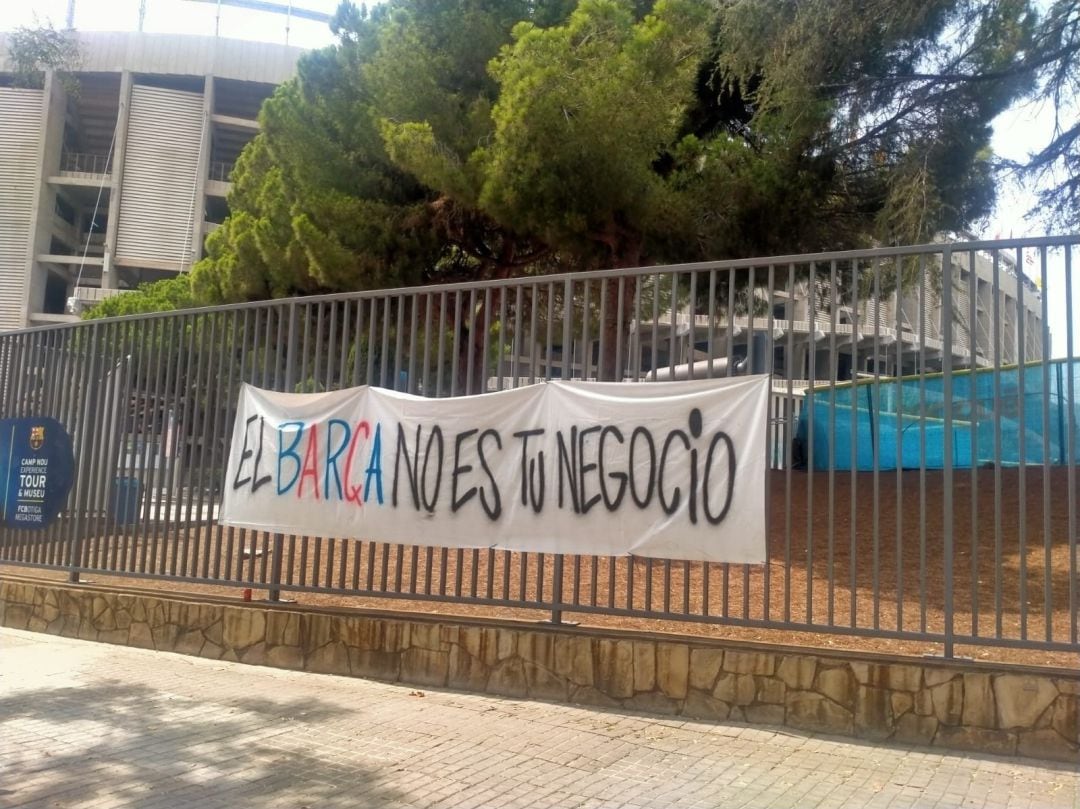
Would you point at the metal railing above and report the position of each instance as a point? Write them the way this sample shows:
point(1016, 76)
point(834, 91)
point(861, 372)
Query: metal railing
point(963, 543)
point(220, 170)
point(82, 163)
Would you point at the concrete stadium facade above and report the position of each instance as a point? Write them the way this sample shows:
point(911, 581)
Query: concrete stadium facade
point(119, 180)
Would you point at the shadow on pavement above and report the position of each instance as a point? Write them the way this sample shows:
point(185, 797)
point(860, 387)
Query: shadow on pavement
point(134, 746)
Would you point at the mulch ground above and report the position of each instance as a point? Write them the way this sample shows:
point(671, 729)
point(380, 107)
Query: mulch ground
point(825, 567)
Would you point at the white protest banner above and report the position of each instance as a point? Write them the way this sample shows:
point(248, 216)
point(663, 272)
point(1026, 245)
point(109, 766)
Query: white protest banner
point(671, 470)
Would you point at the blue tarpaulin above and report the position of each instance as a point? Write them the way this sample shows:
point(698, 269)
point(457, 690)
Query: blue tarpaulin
point(1015, 415)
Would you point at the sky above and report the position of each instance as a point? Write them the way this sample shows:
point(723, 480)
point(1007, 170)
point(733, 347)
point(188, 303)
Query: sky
point(1016, 132)
point(176, 17)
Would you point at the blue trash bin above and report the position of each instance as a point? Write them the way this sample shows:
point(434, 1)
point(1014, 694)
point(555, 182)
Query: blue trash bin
point(124, 504)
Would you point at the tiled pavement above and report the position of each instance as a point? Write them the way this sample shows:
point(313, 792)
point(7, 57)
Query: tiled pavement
point(93, 725)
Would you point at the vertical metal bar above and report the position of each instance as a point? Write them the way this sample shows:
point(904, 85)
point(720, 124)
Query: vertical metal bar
point(399, 342)
point(229, 414)
point(602, 335)
point(67, 407)
point(414, 565)
point(305, 343)
point(139, 347)
point(500, 368)
point(290, 341)
point(637, 330)
point(567, 373)
point(900, 388)
point(620, 327)
point(439, 360)
point(673, 334)
point(549, 359)
point(45, 390)
point(725, 580)
point(706, 571)
point(1070, 362)
point(303, 571)
point(770, 369)
point(263, 554)
point(999, 336)
point(648, 585)
point(331, 344)
point(834, 379)
point(973, 406)
point(789, 433)
point(414, 301)
point(231, 534)
point(455, 345)
point(373, 322)
point(346, 330)
point(485, 349)
point(585, 350)
point(105, 405)
point(164, 401)
point(1048, 561)
point(384, 345)
point(425, 380)
point(541, 568)
point(24, 400)
point(655, 324)
point(515, 340)
point(692, 326)
point(667, 586)
point(24, 394)
point(88, 341)
point(533, 298)
point(369, 580)
point(809, 402)
point(316, 372)
point(17, 378)
point(947, 502)
point(358, 344)
point(384, 559)
point(88, 444)
point(30, 543)
point(568, 318)
point(876, 411)
point(853, 548)
point(751, 305)
point(471, 331)
point(1021, 419)
point(923, 572)
point(710, 337)
point(206, 467)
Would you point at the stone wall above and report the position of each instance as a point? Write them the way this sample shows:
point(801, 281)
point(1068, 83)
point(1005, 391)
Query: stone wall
point(960, 705)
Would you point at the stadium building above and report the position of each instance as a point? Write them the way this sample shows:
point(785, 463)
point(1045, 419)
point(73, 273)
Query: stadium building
point(115, 178)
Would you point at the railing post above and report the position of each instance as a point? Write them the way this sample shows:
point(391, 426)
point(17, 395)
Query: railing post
point(947, 393)
point(556, 590)
point(274, 590)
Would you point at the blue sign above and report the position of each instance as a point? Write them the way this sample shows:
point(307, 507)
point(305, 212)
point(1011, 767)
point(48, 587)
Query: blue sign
point(37, 469)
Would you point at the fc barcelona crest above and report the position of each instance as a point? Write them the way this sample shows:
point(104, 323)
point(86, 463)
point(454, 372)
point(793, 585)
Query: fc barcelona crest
point(37, 437)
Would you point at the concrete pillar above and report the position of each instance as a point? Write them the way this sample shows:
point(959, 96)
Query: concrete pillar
point(53, 114)
point(109, 276)
point(203, 171)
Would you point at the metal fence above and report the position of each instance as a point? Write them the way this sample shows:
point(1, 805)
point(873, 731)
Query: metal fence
point(979, 553)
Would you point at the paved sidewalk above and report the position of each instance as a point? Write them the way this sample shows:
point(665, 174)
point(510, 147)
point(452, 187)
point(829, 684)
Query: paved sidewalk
point(93, 725)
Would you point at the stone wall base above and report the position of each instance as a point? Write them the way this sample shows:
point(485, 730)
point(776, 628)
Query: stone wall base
point(960, 705)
